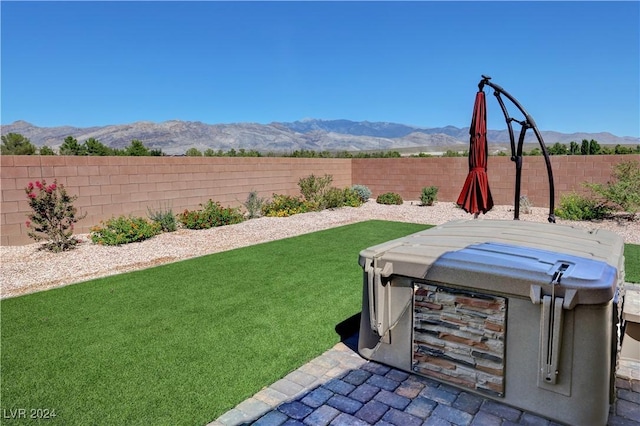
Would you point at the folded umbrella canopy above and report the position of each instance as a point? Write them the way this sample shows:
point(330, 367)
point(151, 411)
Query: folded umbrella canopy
point(475, 196)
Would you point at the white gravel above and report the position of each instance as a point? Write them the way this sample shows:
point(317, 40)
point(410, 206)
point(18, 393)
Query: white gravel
point(25, 269)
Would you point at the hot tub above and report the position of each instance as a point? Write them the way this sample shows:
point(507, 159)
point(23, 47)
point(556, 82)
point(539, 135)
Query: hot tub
point(521, 312)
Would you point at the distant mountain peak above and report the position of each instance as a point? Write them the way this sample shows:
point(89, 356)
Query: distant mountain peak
point(22, 123)
point(176, 136)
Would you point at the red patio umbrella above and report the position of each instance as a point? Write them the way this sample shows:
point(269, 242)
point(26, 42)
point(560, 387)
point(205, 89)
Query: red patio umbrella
point(476, 195)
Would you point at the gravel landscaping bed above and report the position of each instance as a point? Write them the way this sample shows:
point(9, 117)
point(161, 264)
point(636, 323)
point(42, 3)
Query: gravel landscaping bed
point(25, 269)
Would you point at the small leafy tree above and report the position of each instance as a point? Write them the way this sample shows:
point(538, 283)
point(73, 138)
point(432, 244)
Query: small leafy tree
point(607, 150)
point(574, 148)
point(584, 147)
point(16, 144)
point(558, 149)
point(137, 149)
point(46, 150)
point(93, 146)
point(619, 149)
point(70, 146)
point(193, 152)
point(53, 215)
point(451, 153)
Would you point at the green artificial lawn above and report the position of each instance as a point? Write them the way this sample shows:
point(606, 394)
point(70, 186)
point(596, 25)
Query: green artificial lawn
point(632, 263)
point(181, 344)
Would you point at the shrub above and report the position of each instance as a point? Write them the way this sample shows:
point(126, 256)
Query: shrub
point(525, 204)
point(124, 230)
point(352, 198)
point(53, 216)
point(335, 198)
point(429, 195)
point(254, 204)
point(163, 217)
point(363, 192)
point(286, 205)
point(212, 214)
point(623, 193)
point(389, 198)
point(577, 207)
point(313, 188)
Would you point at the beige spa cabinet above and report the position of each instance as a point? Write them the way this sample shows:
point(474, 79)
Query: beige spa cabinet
point(524, 313)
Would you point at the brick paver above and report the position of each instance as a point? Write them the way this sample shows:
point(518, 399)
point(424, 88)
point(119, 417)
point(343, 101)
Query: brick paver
point(340, 388)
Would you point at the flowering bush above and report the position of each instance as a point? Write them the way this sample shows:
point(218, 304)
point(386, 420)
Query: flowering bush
point(212, 214)
point(286, 205)
point(124, 230)
point(53, 215)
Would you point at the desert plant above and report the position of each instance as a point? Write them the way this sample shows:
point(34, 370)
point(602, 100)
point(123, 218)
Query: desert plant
point(363, 192)
point(254, 204)
point(53, 215)
point(313, 187)
point(286, 205)
point(164, 217)
point(623, 192)
point(525, 204)
point(578, 207)
point(352, 198)
point(124, 230)
point(429, 195)
point(389, 198)
point(336, 197)
point(212, 214)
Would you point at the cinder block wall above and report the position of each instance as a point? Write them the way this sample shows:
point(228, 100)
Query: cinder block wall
point(111, 186)
point(407, 176)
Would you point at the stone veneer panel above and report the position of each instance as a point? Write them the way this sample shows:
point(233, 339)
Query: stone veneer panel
point(459, 336)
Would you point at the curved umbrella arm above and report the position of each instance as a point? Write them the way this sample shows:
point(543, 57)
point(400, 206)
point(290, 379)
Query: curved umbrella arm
point(516, 152)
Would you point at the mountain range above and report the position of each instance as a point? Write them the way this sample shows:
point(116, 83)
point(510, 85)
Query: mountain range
point(174, 137)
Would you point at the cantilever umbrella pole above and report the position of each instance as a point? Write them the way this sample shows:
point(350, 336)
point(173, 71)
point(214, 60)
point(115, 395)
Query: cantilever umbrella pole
point(516, 155)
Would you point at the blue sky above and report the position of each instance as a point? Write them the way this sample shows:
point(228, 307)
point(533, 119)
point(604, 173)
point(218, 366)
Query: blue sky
point(574, 66)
